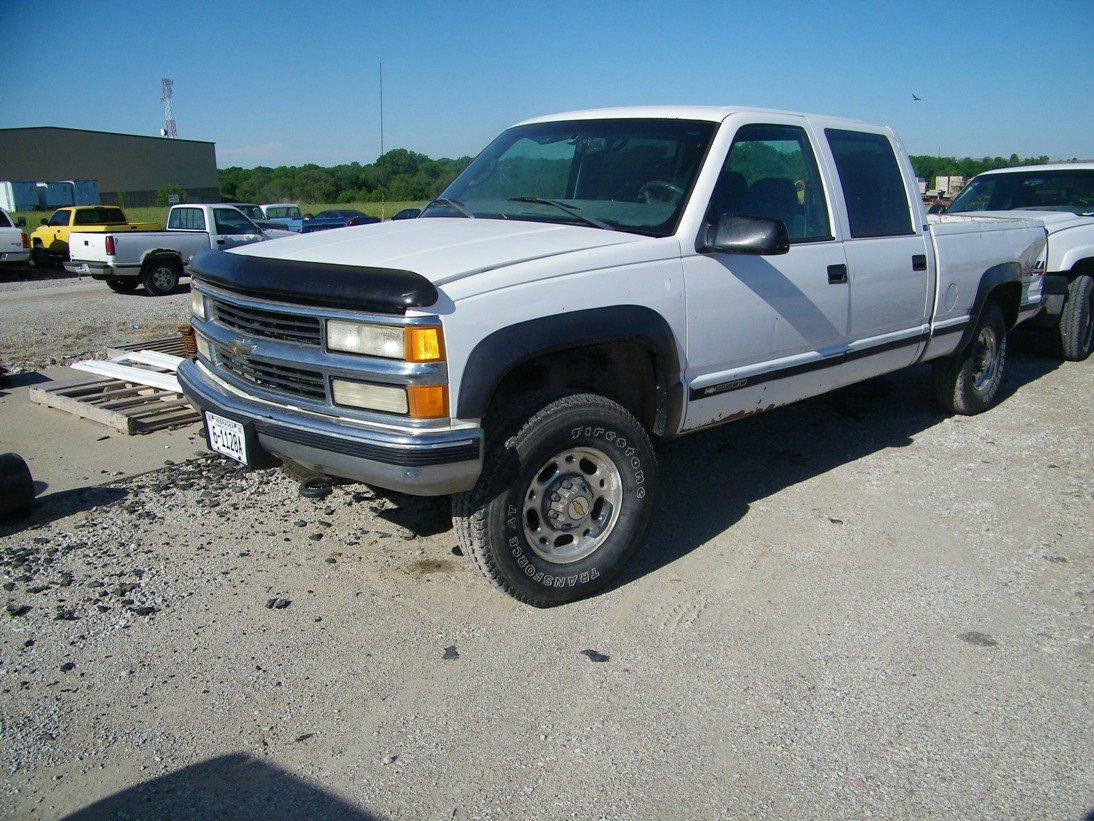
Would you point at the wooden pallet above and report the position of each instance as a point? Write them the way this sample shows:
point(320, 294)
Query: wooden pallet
point(124, 406)
point(171, 344)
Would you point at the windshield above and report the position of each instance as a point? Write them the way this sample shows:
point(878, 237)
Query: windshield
point(1063, 190)
point(633, 175)
point(252, 211)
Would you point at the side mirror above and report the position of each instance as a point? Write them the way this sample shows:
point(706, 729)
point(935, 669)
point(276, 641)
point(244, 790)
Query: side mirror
point(937, 208)
point(745, 235)
point(21, 222)
point(45, 221)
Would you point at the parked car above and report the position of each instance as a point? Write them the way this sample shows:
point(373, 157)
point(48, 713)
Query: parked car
point(1062, 197)
point(285, 214)
point(649, 272)
point(49, 242)
point(335, 218)
point(156, 259)
point(407, 214)
point(254, 213)
point(14, 243)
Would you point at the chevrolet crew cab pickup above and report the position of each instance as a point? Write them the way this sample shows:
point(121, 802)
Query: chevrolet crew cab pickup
point(592, 283)
point(156, 259)
point(1062, 197)
point(49, 241)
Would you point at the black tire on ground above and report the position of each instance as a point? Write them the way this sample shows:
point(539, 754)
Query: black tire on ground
point(16, 486)
point(968, 382)
point(161, 276)
point(1077, 320)
point(40, 258)
point(579, 458)
point(122, 286)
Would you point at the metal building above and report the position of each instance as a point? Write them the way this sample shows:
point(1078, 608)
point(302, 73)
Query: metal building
point(129, 165)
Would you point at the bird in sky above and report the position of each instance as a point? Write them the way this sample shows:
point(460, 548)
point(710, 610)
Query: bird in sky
point(916, 99)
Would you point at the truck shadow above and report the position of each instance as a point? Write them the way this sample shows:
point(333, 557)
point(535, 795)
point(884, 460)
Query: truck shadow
point(50, 507)
point(236, 785)
point(710, 479)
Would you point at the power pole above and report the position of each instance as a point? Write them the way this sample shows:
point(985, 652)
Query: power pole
point(383, 193)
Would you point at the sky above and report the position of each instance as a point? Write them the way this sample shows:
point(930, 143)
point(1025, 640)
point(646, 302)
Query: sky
point(277, 83)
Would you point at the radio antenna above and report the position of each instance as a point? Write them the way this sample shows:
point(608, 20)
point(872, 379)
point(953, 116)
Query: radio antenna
point(169, 130)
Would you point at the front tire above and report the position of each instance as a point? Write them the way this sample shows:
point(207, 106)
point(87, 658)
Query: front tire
point(40, 257)
point(122, 286)
point(1077, 320)
point(160, 277)
point(563, 501)
point(968, 382)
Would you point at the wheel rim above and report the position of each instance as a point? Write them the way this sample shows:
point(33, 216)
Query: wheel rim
point(985, 358)
point(163, 279)
point(571, 505)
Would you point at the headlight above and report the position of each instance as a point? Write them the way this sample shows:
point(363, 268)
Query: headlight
point(369, 396)
point(197, 305)
point(414, 343)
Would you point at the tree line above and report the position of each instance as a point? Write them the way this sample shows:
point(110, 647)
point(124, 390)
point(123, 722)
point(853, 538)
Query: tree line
point(402, 175)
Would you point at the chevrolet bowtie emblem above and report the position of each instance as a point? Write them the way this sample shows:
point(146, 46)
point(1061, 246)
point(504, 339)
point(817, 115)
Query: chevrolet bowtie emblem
point(239, 347)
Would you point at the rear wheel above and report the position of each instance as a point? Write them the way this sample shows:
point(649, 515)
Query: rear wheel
point(968, 383)
point(161, 277)
point(563, 501)
point(1077, 320)
point(122, 286)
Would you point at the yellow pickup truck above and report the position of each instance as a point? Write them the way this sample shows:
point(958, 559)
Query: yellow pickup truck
point(49, 242)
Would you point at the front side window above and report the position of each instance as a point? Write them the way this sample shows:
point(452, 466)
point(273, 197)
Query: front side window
point(873, 187)
point(230, 221)
point(283, 212)
point(187, 219)
point(60, 217)
point(4, 221)
point(627, 174)
point(771, 172)
point(1063, 190)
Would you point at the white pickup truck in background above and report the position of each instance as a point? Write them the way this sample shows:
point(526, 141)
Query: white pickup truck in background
point(14, 243)
point(593, 282)
point(157, 259)
point(1061, 196)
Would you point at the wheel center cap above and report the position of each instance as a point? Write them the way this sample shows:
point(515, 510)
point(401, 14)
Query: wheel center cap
point(578, 508)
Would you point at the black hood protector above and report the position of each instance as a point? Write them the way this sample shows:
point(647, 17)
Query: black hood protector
point(352, 287)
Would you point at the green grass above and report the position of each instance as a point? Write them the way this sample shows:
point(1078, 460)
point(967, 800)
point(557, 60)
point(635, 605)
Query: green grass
point(159, 215)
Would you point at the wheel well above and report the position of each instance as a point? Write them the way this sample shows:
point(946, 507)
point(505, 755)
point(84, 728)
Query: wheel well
point(157, 256)
point(1081, 268)
point(1009, 297)
point(37, 243)
point(623, 371)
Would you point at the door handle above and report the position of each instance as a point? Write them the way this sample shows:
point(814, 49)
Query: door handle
point(919, 262)
point(837, 274)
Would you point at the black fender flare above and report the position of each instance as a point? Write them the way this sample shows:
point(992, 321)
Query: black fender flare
point(990, 280)
point(497, 354)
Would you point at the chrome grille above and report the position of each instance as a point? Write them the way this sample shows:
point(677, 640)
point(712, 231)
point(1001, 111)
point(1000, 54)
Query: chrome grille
point(250, 321)
point(281, 378)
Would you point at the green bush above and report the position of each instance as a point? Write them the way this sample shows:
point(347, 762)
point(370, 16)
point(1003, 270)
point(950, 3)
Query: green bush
point(164, 192)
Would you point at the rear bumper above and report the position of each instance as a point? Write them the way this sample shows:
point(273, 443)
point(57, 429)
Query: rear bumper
point(15, 256)
point(432, 462)
point(100, 270)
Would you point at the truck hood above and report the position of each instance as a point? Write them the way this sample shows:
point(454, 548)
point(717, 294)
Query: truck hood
point(1052, 220)
point(441, 249)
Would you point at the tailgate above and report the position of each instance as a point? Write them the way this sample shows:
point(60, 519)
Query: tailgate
point(87, 246)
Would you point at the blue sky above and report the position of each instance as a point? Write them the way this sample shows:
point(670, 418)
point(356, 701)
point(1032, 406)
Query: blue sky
point(287, 83)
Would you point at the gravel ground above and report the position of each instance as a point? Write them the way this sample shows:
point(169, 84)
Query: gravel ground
point(56, 321)
point(851, 606)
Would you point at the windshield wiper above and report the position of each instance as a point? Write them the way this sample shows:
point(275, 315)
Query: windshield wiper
point(572, 210)
point(451, 203)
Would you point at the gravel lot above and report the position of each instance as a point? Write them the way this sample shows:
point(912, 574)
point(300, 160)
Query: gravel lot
point(850, 606)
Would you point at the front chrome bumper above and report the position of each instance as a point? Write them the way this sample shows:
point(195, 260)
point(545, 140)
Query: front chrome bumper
point(422, 462)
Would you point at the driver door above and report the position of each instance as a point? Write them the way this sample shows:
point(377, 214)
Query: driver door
point(233, 228)
point(760, 327)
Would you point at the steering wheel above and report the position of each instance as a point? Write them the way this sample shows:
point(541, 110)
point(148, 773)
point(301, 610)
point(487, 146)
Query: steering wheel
point(660, 191)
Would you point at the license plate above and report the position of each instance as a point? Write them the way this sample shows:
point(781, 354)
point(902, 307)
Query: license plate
point(227, 436)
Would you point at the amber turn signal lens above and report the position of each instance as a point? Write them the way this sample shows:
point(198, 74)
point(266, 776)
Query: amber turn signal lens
point(424, 344)
point(427, 401)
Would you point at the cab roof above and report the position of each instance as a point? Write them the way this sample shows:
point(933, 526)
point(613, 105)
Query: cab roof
point(1056, 166)
point(680, 112)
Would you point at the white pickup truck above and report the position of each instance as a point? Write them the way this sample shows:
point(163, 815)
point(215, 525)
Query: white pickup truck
point(592, 283)
point(14, 243)
point(1062, 197)
point(157, 259)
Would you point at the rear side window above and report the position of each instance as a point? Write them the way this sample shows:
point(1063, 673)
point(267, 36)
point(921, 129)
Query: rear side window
point(187, 219)
point(99, 216)
point(877, 203)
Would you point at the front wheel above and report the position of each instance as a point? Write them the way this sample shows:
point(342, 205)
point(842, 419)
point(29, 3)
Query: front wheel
point(1077, 320)
point(968, 382)
point(160, 278)
point(563, 501)
point(40, 257)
